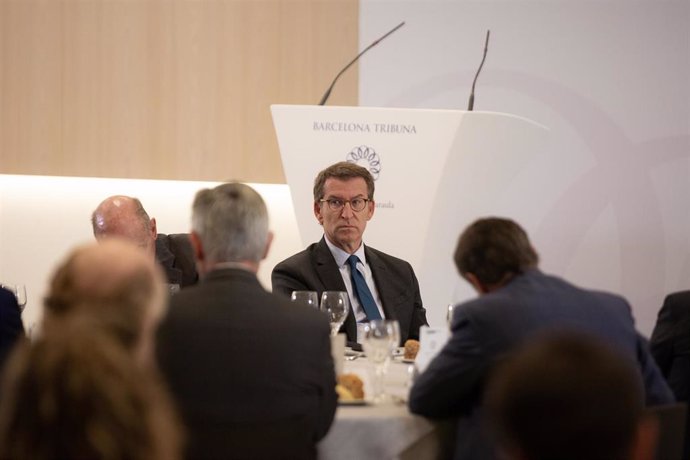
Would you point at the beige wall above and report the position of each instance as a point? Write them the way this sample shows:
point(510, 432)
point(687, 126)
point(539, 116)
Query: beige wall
point(158, 89)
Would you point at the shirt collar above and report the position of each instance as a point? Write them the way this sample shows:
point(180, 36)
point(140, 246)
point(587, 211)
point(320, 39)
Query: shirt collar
point(341, 256)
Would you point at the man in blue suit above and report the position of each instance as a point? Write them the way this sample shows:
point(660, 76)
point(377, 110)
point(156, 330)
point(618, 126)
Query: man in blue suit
point(516, 303)
point(11, 327)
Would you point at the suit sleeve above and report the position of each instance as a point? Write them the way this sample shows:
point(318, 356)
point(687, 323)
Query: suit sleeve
point(418, 311)
point(452, 382)
point(661, 344)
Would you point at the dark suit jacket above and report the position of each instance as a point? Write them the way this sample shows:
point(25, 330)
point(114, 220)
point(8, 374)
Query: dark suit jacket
point(175, 254)
point(670, 343)
point(11, 326)
point(488, 327)
point(252, 373)
point(314, 269)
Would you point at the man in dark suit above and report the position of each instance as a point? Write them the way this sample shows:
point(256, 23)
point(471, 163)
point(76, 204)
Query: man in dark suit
point(252, 373)
point(670, 346)
point(516, 302)
point(381, 286)
point(670, 343)
point(11, 326)
point(125, 217)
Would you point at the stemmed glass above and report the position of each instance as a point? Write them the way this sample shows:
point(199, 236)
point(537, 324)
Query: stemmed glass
point(381, 339)
point(305, 298)
point(336, 305)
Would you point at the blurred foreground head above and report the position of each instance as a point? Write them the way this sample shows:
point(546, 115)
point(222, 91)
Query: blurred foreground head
point(77, 393)
point(569, 397)
point(117, 285)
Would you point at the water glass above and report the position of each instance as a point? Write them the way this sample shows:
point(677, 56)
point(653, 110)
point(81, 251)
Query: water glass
point(336, 305)
point(381, 339)
point(308, 298)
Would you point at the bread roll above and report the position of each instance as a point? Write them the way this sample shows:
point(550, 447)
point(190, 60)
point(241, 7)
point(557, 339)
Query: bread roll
point(411, 348)
point(350, 387)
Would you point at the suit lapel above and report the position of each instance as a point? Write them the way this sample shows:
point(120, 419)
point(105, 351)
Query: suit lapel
point(331, 279)
point(326, 268)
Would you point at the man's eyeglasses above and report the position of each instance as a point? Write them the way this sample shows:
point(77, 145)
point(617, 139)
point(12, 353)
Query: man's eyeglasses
point(356, 204)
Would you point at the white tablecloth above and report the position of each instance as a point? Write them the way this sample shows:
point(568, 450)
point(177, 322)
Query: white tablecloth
point(378, 431)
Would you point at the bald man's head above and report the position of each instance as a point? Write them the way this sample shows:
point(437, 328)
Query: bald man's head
point(124, 217)
point(113, 282)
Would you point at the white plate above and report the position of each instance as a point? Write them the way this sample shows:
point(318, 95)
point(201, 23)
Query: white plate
point(351, 352)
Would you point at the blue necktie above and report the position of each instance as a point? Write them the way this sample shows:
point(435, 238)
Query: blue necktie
point(366, 300)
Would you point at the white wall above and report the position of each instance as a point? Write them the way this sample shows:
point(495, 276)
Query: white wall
point(608, 206)
point(42, 218)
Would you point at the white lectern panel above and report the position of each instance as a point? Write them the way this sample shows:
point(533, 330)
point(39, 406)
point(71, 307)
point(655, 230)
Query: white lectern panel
point(431, 169)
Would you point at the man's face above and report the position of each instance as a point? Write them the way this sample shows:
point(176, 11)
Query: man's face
point(344, 228)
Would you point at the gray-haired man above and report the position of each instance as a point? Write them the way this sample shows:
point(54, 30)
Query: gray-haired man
point(252, 373)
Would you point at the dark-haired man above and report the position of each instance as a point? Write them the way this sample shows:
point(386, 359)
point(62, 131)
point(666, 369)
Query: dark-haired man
point(516, 302)
point(379, 285)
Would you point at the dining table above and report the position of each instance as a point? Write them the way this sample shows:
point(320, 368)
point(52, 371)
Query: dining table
point(383, 429)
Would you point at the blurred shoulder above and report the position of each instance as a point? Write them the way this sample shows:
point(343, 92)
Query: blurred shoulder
point(680, 297)
point(7, 297)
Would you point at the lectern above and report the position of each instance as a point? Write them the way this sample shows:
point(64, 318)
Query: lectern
point(435, 172)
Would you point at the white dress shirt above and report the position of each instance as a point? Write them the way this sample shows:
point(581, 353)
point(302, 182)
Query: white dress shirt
point(341, 257)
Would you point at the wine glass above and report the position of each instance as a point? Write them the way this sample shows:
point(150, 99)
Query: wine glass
point(305, 298)
point(336, 304)
point(381, 338)
point(395, 335)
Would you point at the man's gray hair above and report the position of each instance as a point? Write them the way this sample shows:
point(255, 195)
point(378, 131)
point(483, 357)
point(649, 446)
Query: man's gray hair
point(232, 223)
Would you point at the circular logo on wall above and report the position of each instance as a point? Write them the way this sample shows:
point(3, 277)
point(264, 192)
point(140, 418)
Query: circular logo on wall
point(367, 158)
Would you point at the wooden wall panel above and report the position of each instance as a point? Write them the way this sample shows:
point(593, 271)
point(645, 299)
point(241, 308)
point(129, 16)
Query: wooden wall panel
point(176, 89)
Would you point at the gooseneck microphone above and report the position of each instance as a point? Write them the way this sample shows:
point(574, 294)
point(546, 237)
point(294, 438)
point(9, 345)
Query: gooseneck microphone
point(470, 106)
point(330, 88)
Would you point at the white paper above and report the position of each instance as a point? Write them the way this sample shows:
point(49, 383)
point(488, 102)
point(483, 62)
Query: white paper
point(431, 341)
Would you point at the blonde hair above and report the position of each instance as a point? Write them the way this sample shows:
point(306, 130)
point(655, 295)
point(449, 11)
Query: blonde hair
point(77, 393)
